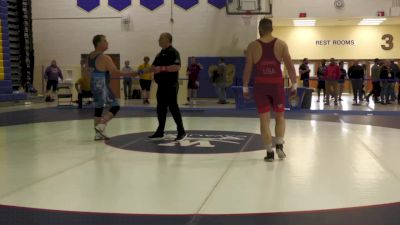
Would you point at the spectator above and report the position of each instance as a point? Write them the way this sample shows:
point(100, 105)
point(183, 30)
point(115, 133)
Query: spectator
point(321, 80)
point(332, 75)
point(343, 75)
point(127, 80)
point(51, 75)
point(145, 80)
point(82, 85)
point(193, 71)
point(376, 86)
point(304, 71)
point(384, 76)
point(394, 70)
point(356, 75)
point(221, 82)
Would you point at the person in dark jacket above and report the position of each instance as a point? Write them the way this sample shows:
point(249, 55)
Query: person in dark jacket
point(384, 76)
point(343, 75)
point(356, 75)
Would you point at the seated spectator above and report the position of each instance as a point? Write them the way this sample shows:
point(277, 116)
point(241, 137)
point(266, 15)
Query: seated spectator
point(82, 85)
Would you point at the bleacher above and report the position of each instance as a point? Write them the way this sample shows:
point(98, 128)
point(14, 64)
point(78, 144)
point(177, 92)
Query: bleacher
point(6, 88)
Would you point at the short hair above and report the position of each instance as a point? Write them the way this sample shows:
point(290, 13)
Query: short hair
point(305, 59)
point(169, 36)
point(265, 26)
point(376, 60)
point(146, 58)
point(97, 39)
point(222, 59)
point(341, 62)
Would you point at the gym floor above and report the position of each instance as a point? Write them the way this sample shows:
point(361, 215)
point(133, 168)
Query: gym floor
point(342, 167)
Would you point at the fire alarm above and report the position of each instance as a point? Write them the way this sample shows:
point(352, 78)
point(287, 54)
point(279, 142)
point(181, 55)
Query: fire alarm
point(380, 13)
point(302, 14)
point(339, 4)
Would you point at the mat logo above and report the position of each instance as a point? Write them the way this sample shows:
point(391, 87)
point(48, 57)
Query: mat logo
point(197, 142)
point(204, 140)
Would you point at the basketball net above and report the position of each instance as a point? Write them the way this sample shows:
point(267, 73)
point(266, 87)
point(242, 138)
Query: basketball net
point(246, 18)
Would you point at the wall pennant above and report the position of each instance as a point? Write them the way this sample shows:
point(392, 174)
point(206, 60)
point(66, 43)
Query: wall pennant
point(151, 4)
point(186, 4)
point(88, 5)
point(218, 3)
point(119, 4)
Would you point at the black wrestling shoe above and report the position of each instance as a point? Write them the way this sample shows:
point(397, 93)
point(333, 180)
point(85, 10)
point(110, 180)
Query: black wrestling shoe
point(270, 157)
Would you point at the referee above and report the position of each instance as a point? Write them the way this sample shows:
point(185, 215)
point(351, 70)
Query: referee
point(166, 68)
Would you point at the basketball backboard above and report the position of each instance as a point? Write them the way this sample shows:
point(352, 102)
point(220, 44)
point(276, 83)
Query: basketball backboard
point(245, 7)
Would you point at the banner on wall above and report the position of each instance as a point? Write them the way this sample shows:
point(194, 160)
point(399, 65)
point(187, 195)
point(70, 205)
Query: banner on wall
point(119, 4)
point(151, 4)
point(186, 4)
point(218, 3)
point(88, 5)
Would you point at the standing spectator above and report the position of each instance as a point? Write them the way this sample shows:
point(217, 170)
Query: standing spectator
point(398, 83)
point(394, 70)
point(193, 71)
point(166, 67)
point(376, 86)
point(332, 75)
point(343, 75)
point(221, 82)
point(145, 80)
point(384, 76)
point(321, 80)
point(82, 85)
point(356, 75)
point(51, 76)
point(127, 80)
point(304, 71)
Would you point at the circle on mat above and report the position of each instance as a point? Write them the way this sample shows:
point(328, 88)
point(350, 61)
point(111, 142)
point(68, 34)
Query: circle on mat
point(197, 142)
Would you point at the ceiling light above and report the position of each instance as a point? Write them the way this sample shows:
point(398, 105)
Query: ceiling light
point(304, 23)
point(371, 22)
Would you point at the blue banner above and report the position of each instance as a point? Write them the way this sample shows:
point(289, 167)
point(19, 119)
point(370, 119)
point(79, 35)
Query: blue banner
point(119, 4)
point(88, 5)
point(218, 3)
point(151, 4)
point(186, 4)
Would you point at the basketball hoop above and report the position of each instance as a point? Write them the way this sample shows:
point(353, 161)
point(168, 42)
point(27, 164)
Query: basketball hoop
point(246, 18)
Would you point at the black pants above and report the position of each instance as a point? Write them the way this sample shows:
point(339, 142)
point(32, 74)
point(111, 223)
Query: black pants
point(306, 82)
point(167, 97)
point(376, 90)
point(357, 89)
point(398, 94)
point(83, 94)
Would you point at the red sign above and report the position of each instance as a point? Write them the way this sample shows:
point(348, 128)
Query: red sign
point(302, 14)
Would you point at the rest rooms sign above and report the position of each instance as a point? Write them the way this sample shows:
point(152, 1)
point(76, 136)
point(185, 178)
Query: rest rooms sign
point(335, 42)
point(387, 38)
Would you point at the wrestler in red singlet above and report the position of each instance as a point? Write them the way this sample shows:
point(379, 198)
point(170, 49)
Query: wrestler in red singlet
point(266, 54)
point(268, 81)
